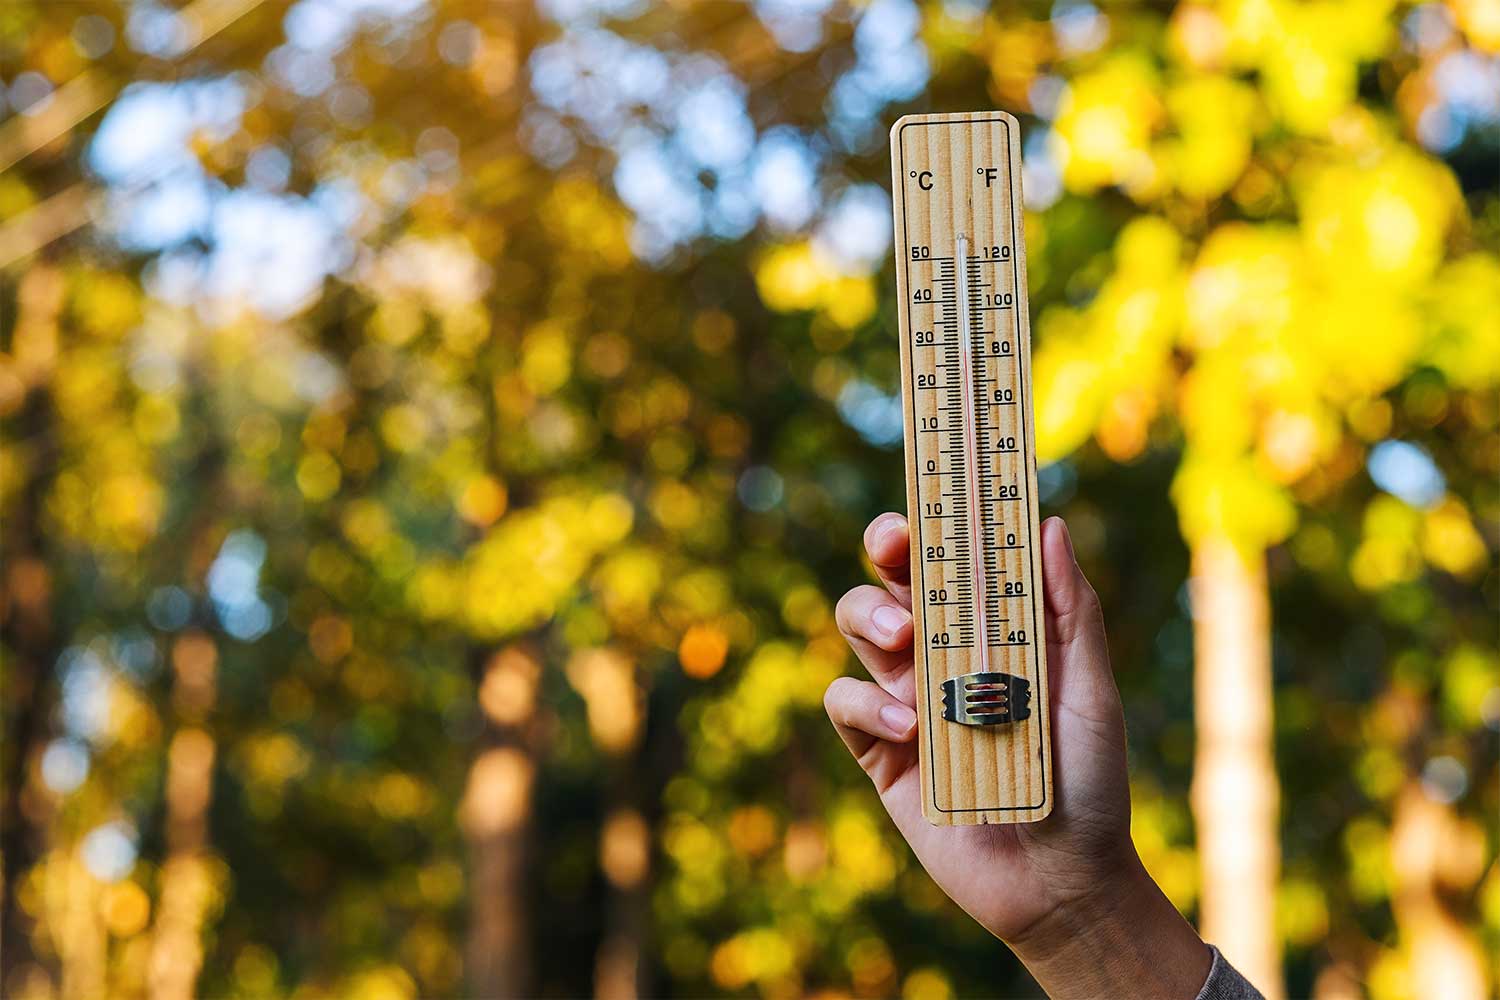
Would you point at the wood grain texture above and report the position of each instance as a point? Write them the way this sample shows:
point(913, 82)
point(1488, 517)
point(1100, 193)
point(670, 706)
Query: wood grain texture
point(959, 175)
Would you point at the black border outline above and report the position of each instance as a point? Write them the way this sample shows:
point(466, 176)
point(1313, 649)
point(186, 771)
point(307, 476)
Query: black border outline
point(1026, 431)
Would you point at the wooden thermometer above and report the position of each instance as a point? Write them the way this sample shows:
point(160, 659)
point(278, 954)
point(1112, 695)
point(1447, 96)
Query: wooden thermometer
point(980, 642)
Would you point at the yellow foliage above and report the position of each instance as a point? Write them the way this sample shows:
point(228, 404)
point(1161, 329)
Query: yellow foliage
point(760, 955)
point(1381, 223)
point(318, 476)
point(1308, 54)
point(387, 982)
point(513, 578)
point(107, 305)
point(592, 226)
point(1388, 553)
point(1450, 541)
point(799, 277)
point(860, 853)
point(1105, 125)
point(1480, 21)
point(125, 908)
point(1111, 361)
point(1470, 675)
point(1301, 911)
point(926, 984)
point(1219, 498)
point(1213, 118)
point(546, 358)
point(1464, 303)
point(1243, 288)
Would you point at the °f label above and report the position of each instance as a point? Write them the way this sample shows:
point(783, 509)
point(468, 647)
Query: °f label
point(980, 643)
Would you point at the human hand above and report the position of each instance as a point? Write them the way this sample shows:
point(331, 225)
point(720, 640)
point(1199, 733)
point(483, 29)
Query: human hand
point(1067, 893)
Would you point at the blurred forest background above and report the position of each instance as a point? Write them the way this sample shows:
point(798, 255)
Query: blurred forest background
point(436, 432)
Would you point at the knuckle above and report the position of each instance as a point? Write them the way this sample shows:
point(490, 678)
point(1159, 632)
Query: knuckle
point(836, 697)
point(1088, 600)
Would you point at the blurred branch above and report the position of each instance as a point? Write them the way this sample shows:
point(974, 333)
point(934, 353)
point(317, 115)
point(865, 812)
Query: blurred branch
point(86, 93)
point(61, 214)
point(74, 101)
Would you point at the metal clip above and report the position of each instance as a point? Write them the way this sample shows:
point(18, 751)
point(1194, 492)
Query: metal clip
point(987, 699)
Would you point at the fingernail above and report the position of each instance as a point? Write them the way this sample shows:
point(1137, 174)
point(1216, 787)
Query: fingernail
point(890, 531)
point(899, 718)
point(889, 620)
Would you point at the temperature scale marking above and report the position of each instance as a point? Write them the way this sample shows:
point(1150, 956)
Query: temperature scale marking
point(980, 644)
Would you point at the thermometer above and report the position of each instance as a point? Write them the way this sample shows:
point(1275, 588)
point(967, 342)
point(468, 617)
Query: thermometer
point(979, 637)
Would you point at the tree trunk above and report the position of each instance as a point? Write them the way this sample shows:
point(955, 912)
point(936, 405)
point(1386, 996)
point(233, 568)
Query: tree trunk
point(177, 939)
point(1431, 850)
point(625, 857)
point(1234, 784)
point(496, 818)
point(30, 634)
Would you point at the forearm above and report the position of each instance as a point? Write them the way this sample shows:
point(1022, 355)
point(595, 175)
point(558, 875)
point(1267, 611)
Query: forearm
point(1126, 939)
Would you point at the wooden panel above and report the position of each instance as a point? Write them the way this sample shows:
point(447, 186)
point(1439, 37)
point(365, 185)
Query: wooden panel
point(970, 465)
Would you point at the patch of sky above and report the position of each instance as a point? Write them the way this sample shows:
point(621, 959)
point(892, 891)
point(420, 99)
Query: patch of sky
point(458, 42)
point(30, 93)
point(306, 73)
point(134, 650)
point(272, 251)
point(1470, 82)
point(1078, 28)
point(1046, 94)
point(856, 231)
point(170, 210)
point(1465, 83)
point(688, 160)
point(547, 138)
point(603, 81)
point(65, 765)
point(712, 126)
point(109, 850)
point(1406, 471)
point(733, 209)
point(1041, 176)
point(891, 65)
point(268, 169)
point(589, 11)
point(965, 12)
point(797, 25)
point(155, 29)
point(86, 679)
point(663, 193)
point(761, 488)
point(169, 608)
point(173, 277)
point(146, 131)
point(874, 414)
point(328, 26)
point(233, 586)
point(93, 36)
point(1056, 482)
point(1427, 28)
point(786, 178)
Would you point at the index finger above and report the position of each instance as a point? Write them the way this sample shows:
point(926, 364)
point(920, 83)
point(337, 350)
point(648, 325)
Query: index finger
point(888, 544)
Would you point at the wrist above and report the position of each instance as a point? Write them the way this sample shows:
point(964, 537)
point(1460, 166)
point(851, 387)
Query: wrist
point(1121, 937)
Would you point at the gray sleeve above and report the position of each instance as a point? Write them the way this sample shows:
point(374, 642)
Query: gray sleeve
point(1225, 983)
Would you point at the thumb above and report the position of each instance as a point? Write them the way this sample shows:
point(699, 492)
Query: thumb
point(1077, 651)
